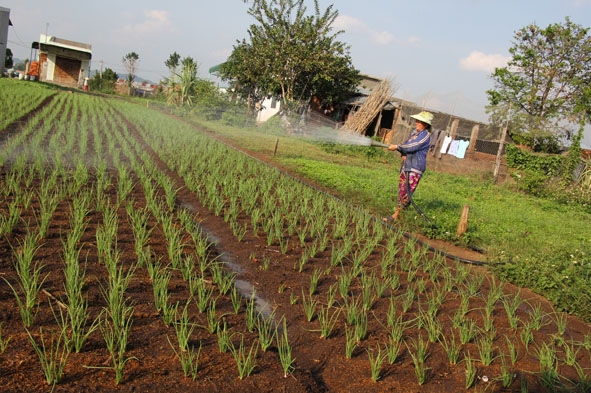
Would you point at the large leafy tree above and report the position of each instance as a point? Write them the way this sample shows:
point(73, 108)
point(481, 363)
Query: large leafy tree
point(292, 54)
point(545, 84)
point(130, 62)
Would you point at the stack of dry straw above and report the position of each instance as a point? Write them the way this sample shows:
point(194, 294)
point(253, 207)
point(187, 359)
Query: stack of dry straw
point(360, 120)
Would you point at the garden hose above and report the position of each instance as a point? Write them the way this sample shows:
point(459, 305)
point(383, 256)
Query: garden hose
point(409, 194)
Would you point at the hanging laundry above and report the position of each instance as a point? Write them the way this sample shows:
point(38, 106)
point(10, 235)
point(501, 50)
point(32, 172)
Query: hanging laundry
point(461, 153)
point(453, 147)
point(445, 145)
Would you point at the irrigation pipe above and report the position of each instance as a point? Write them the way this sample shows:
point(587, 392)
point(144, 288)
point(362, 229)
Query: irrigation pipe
point(405, 234)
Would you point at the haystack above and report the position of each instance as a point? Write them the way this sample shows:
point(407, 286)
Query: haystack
point(375, 102)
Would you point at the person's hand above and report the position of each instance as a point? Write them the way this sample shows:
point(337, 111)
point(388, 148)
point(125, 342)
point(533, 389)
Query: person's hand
point(393, 147)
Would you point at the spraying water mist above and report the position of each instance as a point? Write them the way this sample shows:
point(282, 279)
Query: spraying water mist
point(342, 136)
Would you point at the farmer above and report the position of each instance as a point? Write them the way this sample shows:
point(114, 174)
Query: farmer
point(414, 160)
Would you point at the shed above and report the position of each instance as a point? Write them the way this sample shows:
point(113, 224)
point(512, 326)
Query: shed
point(61, 61)
point(384, 119)
point(373, 111)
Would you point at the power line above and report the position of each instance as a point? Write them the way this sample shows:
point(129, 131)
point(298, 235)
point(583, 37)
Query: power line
point(21, 43)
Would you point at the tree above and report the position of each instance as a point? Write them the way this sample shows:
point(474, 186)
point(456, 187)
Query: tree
point(8, 62)
point(104, 82)
point(244, 69)
point(544, 83)
point(130, 61)
point(110, 75)
point(172, 64)
point(292, 54)
point(184, 91)
point(187, 80)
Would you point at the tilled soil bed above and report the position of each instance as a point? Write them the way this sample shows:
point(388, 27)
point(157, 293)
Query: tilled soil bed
point(269, 279)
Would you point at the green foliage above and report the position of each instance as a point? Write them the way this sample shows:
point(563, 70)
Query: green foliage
point(573, 158)
point(8, 60)
point(519, 159)
point(182, 87)
point(551, 175)
point(172, 63)
point(104, 83)
point(544, 82)
point(533, 171)
point(301, 50)
point(539, 141)
point(214, 107)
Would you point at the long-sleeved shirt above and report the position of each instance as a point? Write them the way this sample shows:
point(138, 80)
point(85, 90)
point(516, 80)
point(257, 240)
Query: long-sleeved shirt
point(415, 149)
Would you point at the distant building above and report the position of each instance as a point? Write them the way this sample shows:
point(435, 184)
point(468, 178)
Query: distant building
point(4, 23)
point(142, 89)
point(61, 61)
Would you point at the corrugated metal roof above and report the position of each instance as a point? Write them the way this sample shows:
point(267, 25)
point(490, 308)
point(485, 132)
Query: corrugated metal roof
point(360, 100)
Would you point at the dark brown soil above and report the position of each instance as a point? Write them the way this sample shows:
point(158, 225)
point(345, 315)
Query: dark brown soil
point(320, 363)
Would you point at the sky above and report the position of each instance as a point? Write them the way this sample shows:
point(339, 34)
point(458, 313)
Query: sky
point(439, 54)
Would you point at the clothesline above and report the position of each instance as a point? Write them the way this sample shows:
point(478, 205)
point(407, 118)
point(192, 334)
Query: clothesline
point(453, 147)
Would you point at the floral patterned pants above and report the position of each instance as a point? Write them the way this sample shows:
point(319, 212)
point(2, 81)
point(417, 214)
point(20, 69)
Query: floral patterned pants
point(413, 182)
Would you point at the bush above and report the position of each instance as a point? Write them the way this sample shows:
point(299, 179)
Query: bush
point(549, 165)
point(535, 174)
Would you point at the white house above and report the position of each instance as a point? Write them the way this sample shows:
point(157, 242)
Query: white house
point(267, 108)
point(61, 61)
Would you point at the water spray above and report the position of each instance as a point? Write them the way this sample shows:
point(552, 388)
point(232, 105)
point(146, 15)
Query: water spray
point(339, 136)
point(379, 144)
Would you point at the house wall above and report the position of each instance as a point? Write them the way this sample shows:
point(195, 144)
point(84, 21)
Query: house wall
point(270, 107)
point(65, 70)
point(49, 67)
point(4, 18)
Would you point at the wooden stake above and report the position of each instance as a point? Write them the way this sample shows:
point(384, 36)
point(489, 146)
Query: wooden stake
point(275, 148)
point(463, 225)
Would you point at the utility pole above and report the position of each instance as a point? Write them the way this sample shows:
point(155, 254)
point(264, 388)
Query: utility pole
point(101, 70)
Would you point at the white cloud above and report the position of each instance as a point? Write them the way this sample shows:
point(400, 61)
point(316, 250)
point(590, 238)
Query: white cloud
point(382, 37)
point(344, 22)
point(353, 25)
point(155, 22)
point(478, 61)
